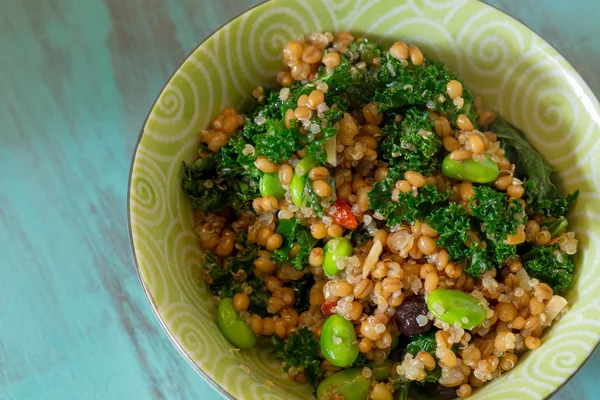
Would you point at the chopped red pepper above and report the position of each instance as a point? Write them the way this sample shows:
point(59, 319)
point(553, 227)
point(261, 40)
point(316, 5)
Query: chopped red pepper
point(343, 215)
point(328, 307)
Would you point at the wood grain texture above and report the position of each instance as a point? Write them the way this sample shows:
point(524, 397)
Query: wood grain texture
point(77, 78)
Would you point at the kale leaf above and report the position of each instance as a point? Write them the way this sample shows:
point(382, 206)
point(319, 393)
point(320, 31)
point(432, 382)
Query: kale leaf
point(293, 233)
point(300, 349)
point(422, 85)
point(498, 217)
point(411, 145)
point(227, 278)
point(541, 195)
point(454, 226)
point(425, 342)
point(551, 266)
point(301, 288)
point(198, 183)
point(409, 207)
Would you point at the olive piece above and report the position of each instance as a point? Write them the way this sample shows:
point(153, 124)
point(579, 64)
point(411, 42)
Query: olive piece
point(407, 313)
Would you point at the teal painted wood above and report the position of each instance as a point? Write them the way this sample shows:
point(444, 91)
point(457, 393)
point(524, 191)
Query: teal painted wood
point(76, 81)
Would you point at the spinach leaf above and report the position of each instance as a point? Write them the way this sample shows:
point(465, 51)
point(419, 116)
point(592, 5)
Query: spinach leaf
point(541, 195)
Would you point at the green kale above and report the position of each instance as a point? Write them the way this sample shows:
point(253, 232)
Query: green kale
point(541, 195)
point(556, 226)
point(229, 277)
point(401, 388)
point(409, 207)
point(316, 142)
point(312, 198)
point(425, 342)
point(293, 233)
point(361, 362)
point(454, 226)
point(366, 50)
point(498, 216)
point(232, 161)
point(300, 350)
point(551, 266)
point(423, 85)
point(360, 236)
point(237, 172)
point(301, 288)
point(411, 145)
point(198, 183)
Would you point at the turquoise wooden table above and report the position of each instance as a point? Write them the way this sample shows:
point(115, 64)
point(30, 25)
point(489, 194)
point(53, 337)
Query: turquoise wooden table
point(77, 78)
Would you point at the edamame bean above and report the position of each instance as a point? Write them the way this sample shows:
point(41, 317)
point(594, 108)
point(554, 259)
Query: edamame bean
point(349, 383)
point(381, 372)
point(470, 170)
point(452, 306)
point(335, 249)
point(232, 327)
point(297, 190)
point(269, 185)
point(338, 341)
point(305, 165)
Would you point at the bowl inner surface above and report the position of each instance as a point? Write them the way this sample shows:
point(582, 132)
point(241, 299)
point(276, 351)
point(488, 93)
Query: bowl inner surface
point(510, 67)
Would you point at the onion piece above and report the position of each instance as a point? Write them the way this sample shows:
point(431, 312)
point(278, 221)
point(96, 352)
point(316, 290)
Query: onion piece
point(555, 305)
point(330, 146)
point(372, 258)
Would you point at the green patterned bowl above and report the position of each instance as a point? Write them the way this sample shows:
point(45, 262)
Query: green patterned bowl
point(512, 68)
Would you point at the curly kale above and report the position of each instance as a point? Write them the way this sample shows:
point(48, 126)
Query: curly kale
point(229, 275)
point(541, 195)
point(293, 233)
point(453, 224)
point(409, 207)
point(411, 145)
point(425, 342)
point(198, 183)
point(301, 288)
point(550, 265)
point(361, 362)
point(498, 217)
point(300, 350)
point(422, 85)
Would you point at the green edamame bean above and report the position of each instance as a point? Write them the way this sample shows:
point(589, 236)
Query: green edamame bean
point(381, 372)
point(349, 383)
point(452, 306)
point(472, 171)
point(335, 249)
point(338, 341)
point(232, 327)
point(297, 190)
point(305, 165)
point(269, 185)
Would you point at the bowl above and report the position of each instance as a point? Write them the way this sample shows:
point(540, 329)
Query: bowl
point(514, 70)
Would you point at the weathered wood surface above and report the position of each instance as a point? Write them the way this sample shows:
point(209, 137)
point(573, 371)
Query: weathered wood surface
point(77, 78)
